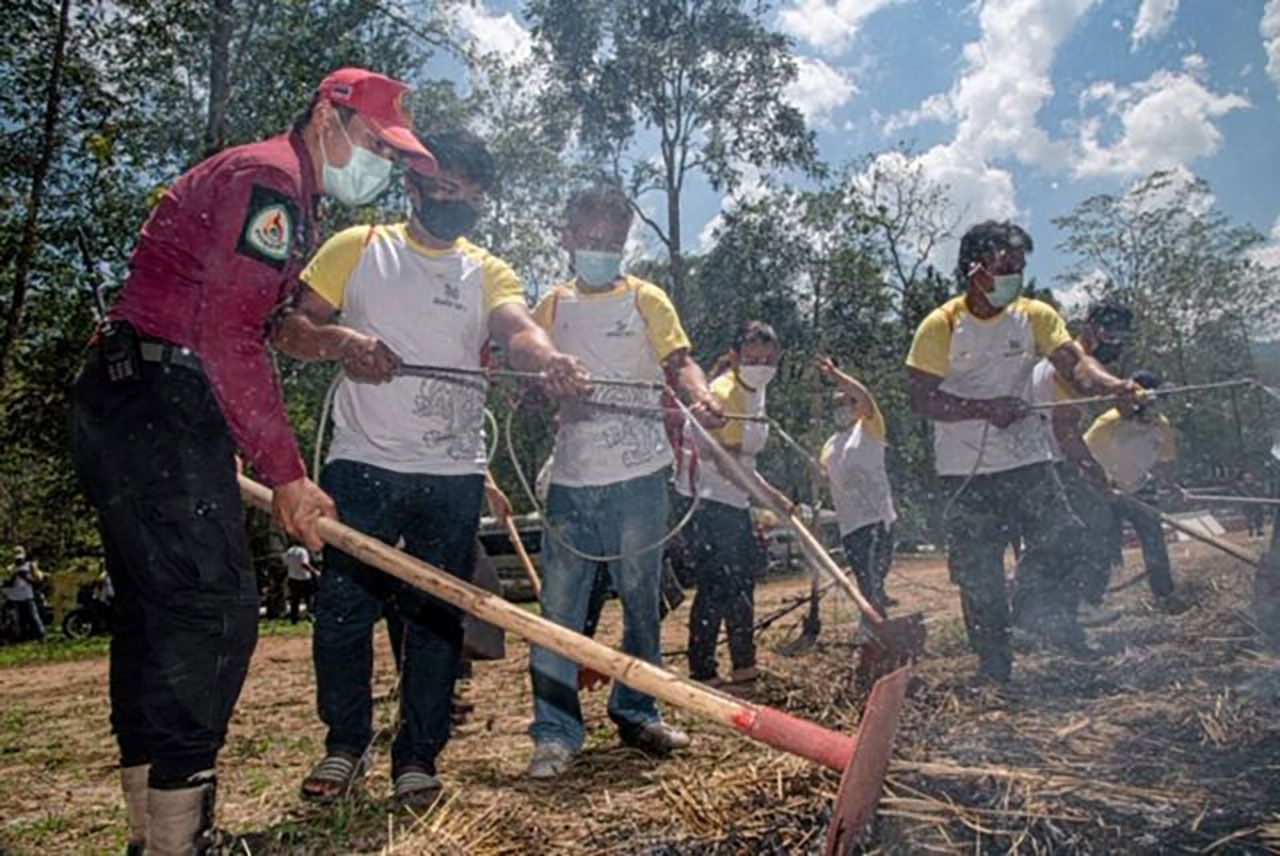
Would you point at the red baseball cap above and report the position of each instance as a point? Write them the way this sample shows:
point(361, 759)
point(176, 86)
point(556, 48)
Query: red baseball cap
point(380, 102)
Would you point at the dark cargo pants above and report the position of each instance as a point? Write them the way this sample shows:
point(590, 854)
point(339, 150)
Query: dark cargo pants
point(157, 461)
point(979, 525)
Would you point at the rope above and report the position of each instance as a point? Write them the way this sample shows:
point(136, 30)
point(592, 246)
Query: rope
point(552, 529)
point(326, 410)
point(1169, 390)
point(411, 370)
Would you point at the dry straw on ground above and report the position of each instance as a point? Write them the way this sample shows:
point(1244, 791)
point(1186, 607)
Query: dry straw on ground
point(1170, 743)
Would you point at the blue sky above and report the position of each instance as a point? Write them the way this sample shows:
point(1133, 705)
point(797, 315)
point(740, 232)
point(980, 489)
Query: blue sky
point(1026, 107)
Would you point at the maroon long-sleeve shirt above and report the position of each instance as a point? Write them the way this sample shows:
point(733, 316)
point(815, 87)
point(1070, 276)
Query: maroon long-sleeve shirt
point(217, 257)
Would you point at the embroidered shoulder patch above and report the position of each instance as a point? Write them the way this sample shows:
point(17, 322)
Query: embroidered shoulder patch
point(268, 230)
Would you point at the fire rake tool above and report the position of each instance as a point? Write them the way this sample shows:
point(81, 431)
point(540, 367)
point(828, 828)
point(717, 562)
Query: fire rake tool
point(1190, 531)
point(894, 641)
point(1145, 394)
point(1233, 500)
point(863, 758)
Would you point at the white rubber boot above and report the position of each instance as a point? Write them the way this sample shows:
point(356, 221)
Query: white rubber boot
point(180, 822)
point(133, 782)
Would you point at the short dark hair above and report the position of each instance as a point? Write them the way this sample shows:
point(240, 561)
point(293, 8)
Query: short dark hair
point(303, 118)
point(1109, 315)
point(601, 201)
point(1147, 379)
point(463, 153)
point(989, 237)
point(755, 333)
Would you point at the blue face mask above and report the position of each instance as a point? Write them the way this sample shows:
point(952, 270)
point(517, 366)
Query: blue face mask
point(1007, 288)
point(362, 180)
point(597, 268)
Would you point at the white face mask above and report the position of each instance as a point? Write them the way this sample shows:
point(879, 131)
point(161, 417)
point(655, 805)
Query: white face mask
point(1007, 288)
point(362, 180)
point(757, 377)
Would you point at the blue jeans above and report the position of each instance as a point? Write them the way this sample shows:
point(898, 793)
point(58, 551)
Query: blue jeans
point(619, 518)
point(437, 516)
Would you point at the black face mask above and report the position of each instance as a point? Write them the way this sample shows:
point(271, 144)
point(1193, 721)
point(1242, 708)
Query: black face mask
point(1108, 352)
point(446, 219)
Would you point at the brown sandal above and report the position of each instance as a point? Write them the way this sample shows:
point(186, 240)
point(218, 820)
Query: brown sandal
point(332, 779)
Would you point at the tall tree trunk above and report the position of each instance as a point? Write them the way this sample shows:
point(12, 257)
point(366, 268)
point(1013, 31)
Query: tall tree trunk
point(674, 248)
point(215, 135)
point(31, 228)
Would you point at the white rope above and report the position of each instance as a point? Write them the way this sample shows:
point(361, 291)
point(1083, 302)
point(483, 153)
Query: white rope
point(552, 530)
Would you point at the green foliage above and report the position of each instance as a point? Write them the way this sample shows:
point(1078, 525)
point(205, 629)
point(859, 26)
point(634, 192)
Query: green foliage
point(841, 268)
point(705, 77)
point(1200, 301)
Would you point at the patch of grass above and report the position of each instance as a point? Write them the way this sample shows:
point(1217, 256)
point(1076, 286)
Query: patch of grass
point(269, 627)
point(31, 834)
point(55, 649)
point(58, 649)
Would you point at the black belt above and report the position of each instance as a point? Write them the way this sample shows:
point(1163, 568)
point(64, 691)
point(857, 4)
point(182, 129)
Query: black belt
point(168, 354)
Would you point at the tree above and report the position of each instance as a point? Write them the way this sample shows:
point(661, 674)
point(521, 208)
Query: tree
point(1199, 297)
point(705, 77)
point(35, 197)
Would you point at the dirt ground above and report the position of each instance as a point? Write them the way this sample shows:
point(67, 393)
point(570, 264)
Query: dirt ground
point(1170, 743)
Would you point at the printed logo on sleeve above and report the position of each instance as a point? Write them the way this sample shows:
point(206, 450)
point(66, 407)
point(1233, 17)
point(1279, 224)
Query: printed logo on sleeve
point(268, 233)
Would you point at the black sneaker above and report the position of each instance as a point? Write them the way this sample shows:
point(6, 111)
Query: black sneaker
point(1171, 604)
point(654, 738)
point(995, 667)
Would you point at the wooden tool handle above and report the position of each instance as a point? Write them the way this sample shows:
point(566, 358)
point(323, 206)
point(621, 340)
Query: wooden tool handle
point(514, 534)
point(766, 725)
point(817, 556)
point(1192, 532)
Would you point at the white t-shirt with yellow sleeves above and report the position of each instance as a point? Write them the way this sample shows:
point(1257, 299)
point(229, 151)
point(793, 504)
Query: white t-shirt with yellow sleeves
point(745, 438)
point(1129, 448)
point(1048, 388)
point(853, 460)
point(432, 308)
point(987, 358)
point(624, 332)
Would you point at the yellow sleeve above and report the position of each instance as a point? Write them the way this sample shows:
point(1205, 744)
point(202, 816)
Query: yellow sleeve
point(824, 457)
point(1168, 450)
point(1063, 391)
point(733, 399)
point(501, 285)
point(874, 425)
point(1101, 433)
point(330, 269)
point(545, 312)
point(931, 347)
point(1047, 326)
point(666, 335)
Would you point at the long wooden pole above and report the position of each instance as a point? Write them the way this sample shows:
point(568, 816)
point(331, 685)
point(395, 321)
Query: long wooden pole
point(1233, 500)
point(1191, 531)
point(514, 534)
point(817, 555)
point(764, 724)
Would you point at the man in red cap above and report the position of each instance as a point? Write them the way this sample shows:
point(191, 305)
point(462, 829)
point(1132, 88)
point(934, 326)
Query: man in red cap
point(178, 379)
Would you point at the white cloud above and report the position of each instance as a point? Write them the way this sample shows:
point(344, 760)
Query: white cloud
point(1194, 63)
point(1163, 122)
point(751, 188)
point(1076, 297)
point(994, 104)
point(828, 25)
point(1270, 30)
point(1268, 255)
point(818, 90)
point(501, 35)
point(935, 108)
point(1154, 20)
point(1142, 197)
